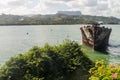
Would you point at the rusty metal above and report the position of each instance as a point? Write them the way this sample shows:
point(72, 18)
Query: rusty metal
point(96, 37)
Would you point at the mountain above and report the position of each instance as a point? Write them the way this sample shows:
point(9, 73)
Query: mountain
point(55, 19)
point(72, 13)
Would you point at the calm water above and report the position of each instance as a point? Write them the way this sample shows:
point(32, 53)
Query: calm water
point(19, 39)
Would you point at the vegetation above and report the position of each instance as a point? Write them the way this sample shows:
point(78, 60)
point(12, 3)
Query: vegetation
point(55, 19)
point(101, 71)
point(47, 63)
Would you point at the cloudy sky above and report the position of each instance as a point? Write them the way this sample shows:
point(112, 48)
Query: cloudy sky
point(88, 7)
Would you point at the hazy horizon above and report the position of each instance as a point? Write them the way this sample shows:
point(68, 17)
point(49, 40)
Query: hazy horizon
point(87, 7)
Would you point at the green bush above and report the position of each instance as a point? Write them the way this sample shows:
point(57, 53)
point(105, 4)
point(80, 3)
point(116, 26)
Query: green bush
point(101, 71)
point(47, 63)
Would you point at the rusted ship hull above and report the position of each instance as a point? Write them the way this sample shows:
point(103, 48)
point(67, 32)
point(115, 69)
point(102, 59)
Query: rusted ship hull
point(96, 37)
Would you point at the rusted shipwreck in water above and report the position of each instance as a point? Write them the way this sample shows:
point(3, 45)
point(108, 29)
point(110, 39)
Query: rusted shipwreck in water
point(96, 37)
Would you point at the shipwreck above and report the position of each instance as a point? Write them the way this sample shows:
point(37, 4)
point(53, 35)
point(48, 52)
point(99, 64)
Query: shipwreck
point(96, 37)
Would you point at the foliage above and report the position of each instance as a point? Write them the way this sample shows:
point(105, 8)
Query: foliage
point(54, 19)
point(47, 63)
point(101, 71)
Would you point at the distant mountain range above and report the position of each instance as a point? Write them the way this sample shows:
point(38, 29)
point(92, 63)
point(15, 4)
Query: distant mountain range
point(62, 17)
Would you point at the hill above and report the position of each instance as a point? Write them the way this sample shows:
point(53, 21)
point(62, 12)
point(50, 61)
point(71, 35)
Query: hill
point(55, 19)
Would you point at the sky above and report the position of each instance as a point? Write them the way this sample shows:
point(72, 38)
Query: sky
point(87, 7)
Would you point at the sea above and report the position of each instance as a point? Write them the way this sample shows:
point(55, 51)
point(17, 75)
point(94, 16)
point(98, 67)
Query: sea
point(18, 39)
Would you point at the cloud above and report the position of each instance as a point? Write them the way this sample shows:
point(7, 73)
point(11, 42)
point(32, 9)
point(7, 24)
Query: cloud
point(89, 7)
point(25, 3)
point(114, 7)
point(89, 3)
point(64, 0)
point(102, 6)
point(103, 0)
point(32, 3)
point(19, 7)
point(55, 6)
point(17, 3)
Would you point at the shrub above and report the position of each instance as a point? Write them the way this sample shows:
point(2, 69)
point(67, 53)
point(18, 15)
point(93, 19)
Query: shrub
point(101, 71)
point(47, 63)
